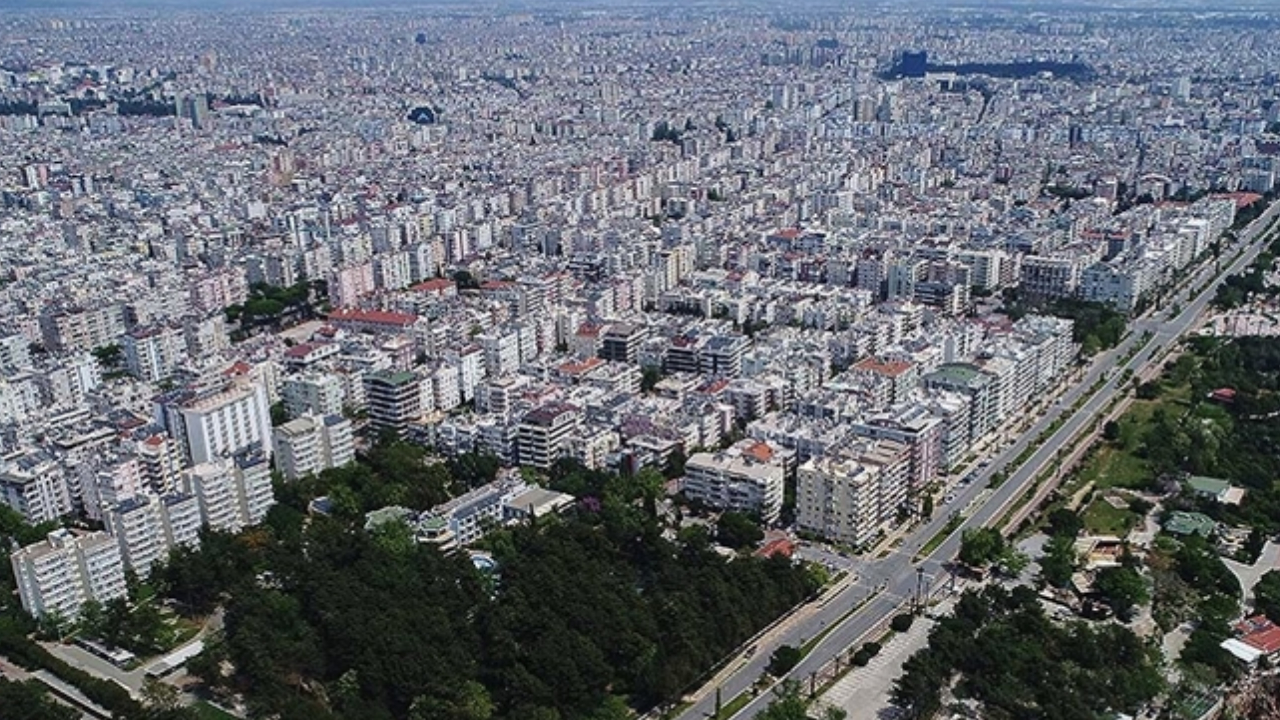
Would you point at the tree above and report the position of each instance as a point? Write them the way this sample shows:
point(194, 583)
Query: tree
point(1111, 431)
point(738, 531)
point(161, 696)
point(1059, 561)
point(784, 659)
point(30, 701)
point(1266, 595)
point(789, 704)
point(1065, 523)
point(649, 378)
point(1123, 587)
point(980, 547)
point(279, 415)
point(1011, 562)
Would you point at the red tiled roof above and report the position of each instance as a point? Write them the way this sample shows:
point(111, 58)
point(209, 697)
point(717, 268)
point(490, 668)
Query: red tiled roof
point(578, 368)
point(892, 368)
point(781, 546)
point(1243, 199)
point(760, 452)
point(239, 368)
point(376, 317)
point(434, 285)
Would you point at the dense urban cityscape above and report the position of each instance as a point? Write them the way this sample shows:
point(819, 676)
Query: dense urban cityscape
point(593, 361)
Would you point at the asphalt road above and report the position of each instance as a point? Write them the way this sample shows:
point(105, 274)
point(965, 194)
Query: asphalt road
point(899, 573)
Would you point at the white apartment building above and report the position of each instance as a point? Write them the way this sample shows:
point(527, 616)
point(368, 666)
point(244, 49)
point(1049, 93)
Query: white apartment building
point(138, 525)
point(112, 483)
point(838, 498)
point(221, 423)
point(232, 493)
point(312, 394)
point(60, 574)
point(181, 519)
point(35, 485)
point(254, 493)
point(1120, 285)
point(501, 351)
point(151, 353)
point(748, 477)
point(312, 443)
point(213, 485)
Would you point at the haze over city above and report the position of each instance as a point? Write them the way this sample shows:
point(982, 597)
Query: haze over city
point(596, 360)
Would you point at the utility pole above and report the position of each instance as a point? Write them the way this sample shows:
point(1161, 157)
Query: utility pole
point(717, 715)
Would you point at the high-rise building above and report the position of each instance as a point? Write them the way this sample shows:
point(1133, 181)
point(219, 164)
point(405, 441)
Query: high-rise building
point(138, 525)
point(60, 574)
point(218, 423)
point(194, 107)
point(152, 353)
point(838, 499)
point(394, 399)
point(621, 342)
point(311, 443)
point(545, 433)
point(35, 485)
point(312, 394)
point(232, 493)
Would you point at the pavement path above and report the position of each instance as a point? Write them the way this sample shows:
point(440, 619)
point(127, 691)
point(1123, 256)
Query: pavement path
point(1249, 575)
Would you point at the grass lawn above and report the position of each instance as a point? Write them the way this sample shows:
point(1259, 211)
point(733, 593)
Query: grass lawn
point(1101, 518)
point(1112, 466)
point(205, 711)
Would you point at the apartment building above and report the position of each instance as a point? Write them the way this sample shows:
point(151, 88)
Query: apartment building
point(621, 342)
point(312, 443)
point(152, 353)
point(969, 380)
point(838, 498)
point(232, 493)
point(394, 399)
point(748, 477)
point(61, 573)
point(312, 394)
point(545, 433)
point(218, 423)
point(82, 328)
point(138, 526)
point(36, 485)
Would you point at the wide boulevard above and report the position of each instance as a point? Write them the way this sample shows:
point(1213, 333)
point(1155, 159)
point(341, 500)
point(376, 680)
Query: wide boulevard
point(886, 584)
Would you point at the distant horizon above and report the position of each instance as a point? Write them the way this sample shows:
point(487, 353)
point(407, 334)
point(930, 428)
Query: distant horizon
point(780, 6)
